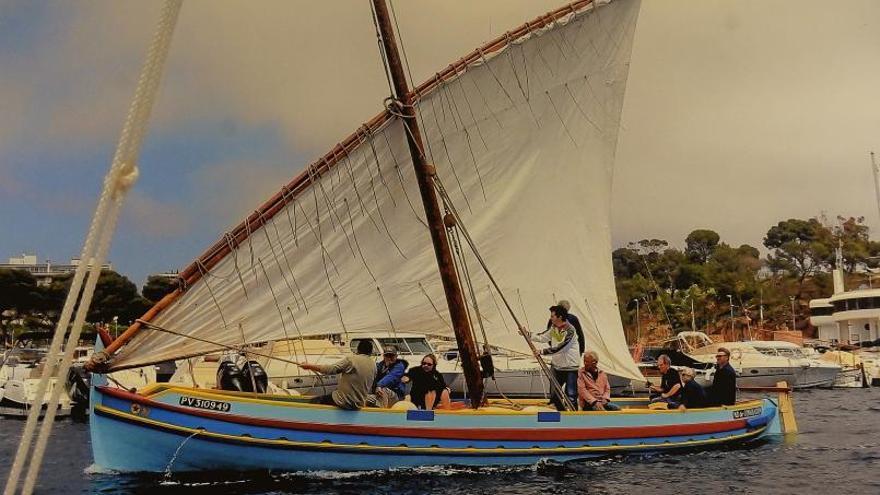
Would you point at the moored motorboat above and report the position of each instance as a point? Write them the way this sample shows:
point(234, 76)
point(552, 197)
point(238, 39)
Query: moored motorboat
point(757, 363)
point(19, 377)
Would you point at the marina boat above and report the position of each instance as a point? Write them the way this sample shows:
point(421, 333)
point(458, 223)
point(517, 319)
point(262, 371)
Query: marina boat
point(757, 363)
point(870, 358)
point(814, 372)
point(279, 358)
point(517, 374)
point(19, 376)
point(849, 320)
point(342, 248)
point(852, 373)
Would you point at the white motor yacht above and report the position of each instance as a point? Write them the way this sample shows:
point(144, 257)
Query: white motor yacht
point(815, 372)
point(757, 363)
point(278, 358)
point(19, 379)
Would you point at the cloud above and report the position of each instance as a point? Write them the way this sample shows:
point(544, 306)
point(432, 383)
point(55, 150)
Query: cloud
point(229, 191)
point(740, 112)
point(155, 219)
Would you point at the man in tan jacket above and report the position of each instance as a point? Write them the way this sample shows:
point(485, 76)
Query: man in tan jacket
point(356, 375)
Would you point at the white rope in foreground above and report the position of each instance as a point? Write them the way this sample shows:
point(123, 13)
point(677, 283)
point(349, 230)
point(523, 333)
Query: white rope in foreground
point(119, 179)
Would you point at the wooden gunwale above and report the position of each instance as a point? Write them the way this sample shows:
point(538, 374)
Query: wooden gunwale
point(214, 254)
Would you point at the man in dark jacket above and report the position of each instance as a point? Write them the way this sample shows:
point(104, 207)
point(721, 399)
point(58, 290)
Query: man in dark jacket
point(387, 386)
point(723, 389)
point(582, 342)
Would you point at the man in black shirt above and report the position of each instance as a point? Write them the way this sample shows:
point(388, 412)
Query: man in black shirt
point(723, 389)
point(669, 390)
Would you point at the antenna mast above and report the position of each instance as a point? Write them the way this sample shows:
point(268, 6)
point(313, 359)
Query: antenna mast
point(876, 180)
point(467, 349)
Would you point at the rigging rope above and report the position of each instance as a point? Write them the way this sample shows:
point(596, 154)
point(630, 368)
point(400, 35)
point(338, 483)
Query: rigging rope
point(554, 384)
point(120, 177)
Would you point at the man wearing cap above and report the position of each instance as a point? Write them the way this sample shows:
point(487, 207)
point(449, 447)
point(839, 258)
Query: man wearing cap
point(388, 386)
point(564, 356)
point(723, 389)
point(571, 318)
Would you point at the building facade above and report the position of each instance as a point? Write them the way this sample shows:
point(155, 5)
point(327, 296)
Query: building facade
point(48, 270)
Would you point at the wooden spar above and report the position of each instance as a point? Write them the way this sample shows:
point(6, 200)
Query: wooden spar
point(467, 349)
point(218, 251)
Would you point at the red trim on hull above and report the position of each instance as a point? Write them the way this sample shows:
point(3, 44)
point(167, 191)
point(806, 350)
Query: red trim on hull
point(482, 433)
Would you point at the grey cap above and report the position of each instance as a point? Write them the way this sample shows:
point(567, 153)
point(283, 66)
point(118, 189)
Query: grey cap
point(390, 350)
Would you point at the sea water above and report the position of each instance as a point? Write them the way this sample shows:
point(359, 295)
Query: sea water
point(836, 452)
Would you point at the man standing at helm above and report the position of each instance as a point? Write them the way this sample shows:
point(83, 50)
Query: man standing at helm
point(571, 318)
point(564, 354)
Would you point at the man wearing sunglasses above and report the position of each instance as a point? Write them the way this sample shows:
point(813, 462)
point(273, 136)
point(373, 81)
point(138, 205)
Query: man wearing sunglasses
point(723, 389)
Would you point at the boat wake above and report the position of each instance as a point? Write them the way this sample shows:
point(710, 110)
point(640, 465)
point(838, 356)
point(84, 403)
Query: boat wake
point(96, 469)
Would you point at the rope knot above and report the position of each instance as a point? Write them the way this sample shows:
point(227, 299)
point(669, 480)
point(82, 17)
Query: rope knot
point(128, 175)
point(394, 106)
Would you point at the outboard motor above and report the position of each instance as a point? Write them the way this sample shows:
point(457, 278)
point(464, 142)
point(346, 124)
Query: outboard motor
point(229, 376)
point(254, 377)
point(78, 384)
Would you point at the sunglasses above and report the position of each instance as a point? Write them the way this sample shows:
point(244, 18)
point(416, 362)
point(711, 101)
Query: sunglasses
point(720, 356)
point(426, 363)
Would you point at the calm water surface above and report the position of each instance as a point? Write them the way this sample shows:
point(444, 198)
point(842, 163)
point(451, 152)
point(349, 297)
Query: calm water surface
point(837, 451)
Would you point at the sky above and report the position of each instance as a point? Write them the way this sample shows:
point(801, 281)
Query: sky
point(738, 114)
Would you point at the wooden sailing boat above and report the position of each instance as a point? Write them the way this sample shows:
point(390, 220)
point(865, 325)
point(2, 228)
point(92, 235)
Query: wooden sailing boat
point(518, 139)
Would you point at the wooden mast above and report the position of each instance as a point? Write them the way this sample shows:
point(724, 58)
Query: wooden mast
point(467, 349)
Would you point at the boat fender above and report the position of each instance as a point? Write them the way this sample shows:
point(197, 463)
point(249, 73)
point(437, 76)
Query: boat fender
point(487, 365)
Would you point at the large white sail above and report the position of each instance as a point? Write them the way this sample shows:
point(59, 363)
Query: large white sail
point(523, 138)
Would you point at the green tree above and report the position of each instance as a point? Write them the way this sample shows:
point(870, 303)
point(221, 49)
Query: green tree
point(851, 235)
point(157, 287)
point(700, 244)
point(627, 263)
point(116, 295)
point(799, 248)
point(19, 297)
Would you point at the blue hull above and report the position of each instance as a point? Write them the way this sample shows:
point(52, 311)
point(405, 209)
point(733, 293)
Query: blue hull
point(181, 429)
